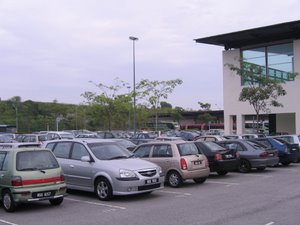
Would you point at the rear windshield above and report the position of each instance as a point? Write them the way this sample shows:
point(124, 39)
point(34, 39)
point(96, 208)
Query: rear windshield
point(187, 149)
point(214, 147)
point(36, 160)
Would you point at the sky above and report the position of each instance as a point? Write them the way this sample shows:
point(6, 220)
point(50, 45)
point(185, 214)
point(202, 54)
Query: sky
point(59, 49)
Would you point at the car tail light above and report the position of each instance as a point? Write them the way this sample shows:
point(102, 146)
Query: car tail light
point(16, 181)
point(62, 177)
point(183, 164)
point(218, 156)
point(206, 161)
point(263, 155)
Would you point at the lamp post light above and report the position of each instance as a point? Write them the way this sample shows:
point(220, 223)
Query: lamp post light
point(133, 39)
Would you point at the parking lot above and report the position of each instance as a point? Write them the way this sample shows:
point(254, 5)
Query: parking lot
point(256, 198)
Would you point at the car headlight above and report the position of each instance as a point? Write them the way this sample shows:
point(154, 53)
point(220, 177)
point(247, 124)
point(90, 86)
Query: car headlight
point(159, 171)
point(126, 173)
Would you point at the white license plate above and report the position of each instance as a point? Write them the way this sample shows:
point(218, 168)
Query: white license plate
point(197, 162)
point(151, 181)
point(43, 194)
point(229, 156)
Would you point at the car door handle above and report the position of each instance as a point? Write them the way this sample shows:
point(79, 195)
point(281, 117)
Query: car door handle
point(72, 166)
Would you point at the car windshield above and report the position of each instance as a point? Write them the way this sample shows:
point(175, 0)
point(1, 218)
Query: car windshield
point(109, 151)
point(36, 160)
point(187, 149)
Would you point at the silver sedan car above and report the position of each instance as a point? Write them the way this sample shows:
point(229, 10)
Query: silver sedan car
point(104, 167)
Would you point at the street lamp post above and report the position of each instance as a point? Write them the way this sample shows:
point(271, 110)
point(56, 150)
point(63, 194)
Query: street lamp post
point(133, 39)
point(17, 121)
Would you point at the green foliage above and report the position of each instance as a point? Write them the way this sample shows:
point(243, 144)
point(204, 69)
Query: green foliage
point(154, 91)
point(204, 106)
point(205, 118)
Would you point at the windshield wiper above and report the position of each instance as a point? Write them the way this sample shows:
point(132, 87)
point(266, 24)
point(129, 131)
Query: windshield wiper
point(32, 169)
point(119, 157)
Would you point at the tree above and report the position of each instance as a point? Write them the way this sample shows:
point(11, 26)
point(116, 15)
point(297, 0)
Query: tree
point(110, 100)
point(261, 92)
point(154, 91)
point(204, 106)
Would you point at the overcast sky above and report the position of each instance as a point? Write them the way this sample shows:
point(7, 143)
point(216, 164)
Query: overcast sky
point(51, 49)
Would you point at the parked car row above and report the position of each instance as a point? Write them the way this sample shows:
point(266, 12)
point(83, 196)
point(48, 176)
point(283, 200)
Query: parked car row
point(110, 167)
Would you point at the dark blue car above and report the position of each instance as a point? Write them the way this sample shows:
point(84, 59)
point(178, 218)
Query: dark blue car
point(287, 153)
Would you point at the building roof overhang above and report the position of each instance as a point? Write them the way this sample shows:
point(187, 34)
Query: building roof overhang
point(261, 35)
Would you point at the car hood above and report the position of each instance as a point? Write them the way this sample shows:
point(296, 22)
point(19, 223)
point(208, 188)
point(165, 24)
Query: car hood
point(130, 163)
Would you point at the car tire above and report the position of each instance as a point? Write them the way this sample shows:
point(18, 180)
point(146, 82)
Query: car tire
point(286, 163)
point(222, 172)
point(200, 180)
point(174, 179)
point(261, 168)
point(244, 166)
point(8, 201)
point(56, 201)
point(103, 189)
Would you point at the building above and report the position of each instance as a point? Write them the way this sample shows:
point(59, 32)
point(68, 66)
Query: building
point(276, 49)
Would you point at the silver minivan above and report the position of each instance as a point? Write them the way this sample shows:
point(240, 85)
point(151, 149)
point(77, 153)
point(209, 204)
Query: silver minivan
point(105, 167)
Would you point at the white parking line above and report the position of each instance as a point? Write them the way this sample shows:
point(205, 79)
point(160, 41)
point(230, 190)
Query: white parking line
point(271, 223)
point(178, 194)
point(227, 184)
point(258, 175)
point(96, 203)
point(3, 221)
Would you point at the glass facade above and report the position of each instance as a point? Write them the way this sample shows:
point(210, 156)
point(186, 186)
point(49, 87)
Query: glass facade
point(275, 61)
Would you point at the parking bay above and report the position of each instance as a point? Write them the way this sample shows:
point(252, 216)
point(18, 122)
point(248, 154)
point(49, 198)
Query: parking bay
point(267, 197)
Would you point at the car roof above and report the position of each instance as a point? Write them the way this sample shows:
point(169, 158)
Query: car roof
point(84, 140)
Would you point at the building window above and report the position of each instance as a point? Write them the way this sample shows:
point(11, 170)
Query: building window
point(275, 61)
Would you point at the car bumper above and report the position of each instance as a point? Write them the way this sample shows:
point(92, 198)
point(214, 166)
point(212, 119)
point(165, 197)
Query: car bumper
point(30, 194)
point(225, 165)
point(191, 174)
point(123, 187)
point(293, 157)
point(264, 162)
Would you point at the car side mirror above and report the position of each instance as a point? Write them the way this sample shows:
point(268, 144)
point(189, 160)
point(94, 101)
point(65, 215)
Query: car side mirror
point(86, 158)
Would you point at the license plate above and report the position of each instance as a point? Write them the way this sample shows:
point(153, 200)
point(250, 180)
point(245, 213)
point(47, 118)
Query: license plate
point(43, 194)
point(229, 156)
point(151, 181)
point(197, 162)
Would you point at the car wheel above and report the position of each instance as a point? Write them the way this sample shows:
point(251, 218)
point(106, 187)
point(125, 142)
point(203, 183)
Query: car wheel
point(286, 163)
point(103, 189)
point(244, 166)
point(8, 202)
point(261, 168)
point(174, 179)
point(56, 201)
point(199, 180)
point(222, 172)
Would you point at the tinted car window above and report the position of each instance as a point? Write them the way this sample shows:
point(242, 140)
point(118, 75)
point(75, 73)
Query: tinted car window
point(108, 151)
point(213, 146)
point(143, 151)
point(62, 149)
point(162, 151)
point(36, 160)
point(78, 151)
point(187, 149)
